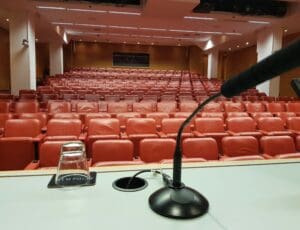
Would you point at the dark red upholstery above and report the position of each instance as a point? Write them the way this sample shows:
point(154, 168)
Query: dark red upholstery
point(205, 148)
point(170, 127)
point(27, 107)
point(244, 126)
point(272, 126)
point(22, 128)
point(63, 129)
point(155, 150)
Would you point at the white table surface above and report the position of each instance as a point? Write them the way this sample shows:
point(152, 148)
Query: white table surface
point(259, 197)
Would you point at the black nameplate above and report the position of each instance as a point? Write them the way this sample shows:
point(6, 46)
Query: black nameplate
point(73, 180)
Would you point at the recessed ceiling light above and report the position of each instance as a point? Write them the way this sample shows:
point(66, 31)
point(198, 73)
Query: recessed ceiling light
point(90, 25)
point(285, 30)
point(124, 42)
point(138, 43)
point(95, 40)
point(229, 49)
point(233, 33)
point(62, 23)
point(152, 43)
point(247, 43)
point(124, 27)
point(199, 18)
point(259, 22)
point(126, 13)
point(80, 40)
point(185, 31)
point(51, 8)
point(86, 10)
point(7, 19)
point(179, 44)
point(36, 40)
point(155, 29)
point(237, 46)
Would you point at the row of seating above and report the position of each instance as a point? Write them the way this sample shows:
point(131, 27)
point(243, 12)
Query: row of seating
point(121, 152)
point(146, 107)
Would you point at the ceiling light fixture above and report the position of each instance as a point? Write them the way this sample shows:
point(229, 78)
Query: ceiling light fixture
point(233, 33)
point(259, 22)
point(285, 30)
point(229, 49)
point(237, 46)
point(86, 10)
point(51, 8)
point(126, 13)
point(154, 29)
point(63, 23)
point(247, 43)
point(185, 31)
point(90, 25)
point(199, 18)
point(7, 19)
point(124, 27)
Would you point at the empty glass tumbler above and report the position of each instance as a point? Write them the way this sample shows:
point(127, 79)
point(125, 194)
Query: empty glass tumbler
point(73, 169)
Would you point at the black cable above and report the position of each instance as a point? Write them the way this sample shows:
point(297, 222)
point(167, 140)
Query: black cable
point(166, 178)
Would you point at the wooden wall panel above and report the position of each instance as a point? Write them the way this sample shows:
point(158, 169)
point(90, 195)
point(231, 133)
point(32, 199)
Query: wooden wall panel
point(4, 60)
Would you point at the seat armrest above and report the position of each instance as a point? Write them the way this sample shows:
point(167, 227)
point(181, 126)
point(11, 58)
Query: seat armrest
point(32, 165)
point(89, 162)
point(267, 156)
point(82, 136)
point(232, 133)
point(162, 135)
point(39, 137)
point(198, 134)
point(123, 135)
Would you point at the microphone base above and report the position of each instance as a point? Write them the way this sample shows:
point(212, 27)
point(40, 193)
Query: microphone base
point(178, 203)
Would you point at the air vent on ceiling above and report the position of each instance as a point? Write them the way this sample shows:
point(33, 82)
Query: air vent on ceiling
point(245, 7)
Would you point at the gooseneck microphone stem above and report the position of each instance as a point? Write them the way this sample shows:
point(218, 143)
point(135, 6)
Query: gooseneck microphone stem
point(177, 164)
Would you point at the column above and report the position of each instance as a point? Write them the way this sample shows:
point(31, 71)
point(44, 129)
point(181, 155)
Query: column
point(268, 41)
point(22, 52)
point(212, 67)
point(56, 58)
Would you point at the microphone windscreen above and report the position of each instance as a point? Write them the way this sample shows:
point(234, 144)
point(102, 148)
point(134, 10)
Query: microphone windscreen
point(272, 66)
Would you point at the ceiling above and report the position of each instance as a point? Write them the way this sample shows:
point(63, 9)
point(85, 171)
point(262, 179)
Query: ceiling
point(155, 22)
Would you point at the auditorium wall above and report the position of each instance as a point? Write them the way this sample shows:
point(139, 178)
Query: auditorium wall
point(4, 60)
point(197, 60)
point(42, 61)
point(91, 54)
point(285, 79)
point(232, 63)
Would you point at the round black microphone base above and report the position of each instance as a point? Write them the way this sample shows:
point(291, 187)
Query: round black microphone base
point(178, 203)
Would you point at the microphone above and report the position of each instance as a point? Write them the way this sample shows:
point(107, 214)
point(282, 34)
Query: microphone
point(181, 202)
point(270, 67)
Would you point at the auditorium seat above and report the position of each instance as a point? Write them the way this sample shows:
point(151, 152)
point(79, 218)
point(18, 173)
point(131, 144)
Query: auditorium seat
point(140, 128)
point(272, 126)
point(102, 129)
point(242, 126)
point(91, 97)
point(123, 117)
point(237, 114)
point(16, 153)
point(234, 107)
point(213, 107)
point(3, 118)
point(167, 106)
point(66, 116)
point(26, 107)
point(5, 106)
point(157, 116)
point(212, 115)
point(103, 106)
point(281, 147)
point(201, 148)
point(240, 148)
point(23, 128)
point(187, 106)
point(59, 107)
point(255, 107)
point(113, 152)
point(87, 107)
point(156, 150)
point(170, 127)
point(285, 115)
point(64, 129)
point(258, 115)
point(275, 107)
point(90, 116)
point(144, 107)
point(293, 125)
point(293, 107)
point(42, 117)
point(118, 107)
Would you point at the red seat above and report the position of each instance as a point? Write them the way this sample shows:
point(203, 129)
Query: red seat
point(255, 107)
point(293, 124)
point(240, 148)
point(167, 106)
point(273, 126)
point(293, 107)
point(282, 147)
point(5, 106)
point(22, 128)
point(170, 127)
point(113, 152)
point(257, 115)
point(27, 107)
point(234, 107)
point(16, 153)
point(118, 107)
point(140, 128)
point(64, 129)
point(123, 117)
point(155, 150)
point(237, 114)
point(157, 116)
point(59, 107)
point(275, 107)
point(212, 115)
point(102, 129)
point(187, 106)
point(213, 107)
point(87, 107)
point(242, 126)
point(3, 118)
point(144, 107)
point(203, 148)
point(42, 117)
